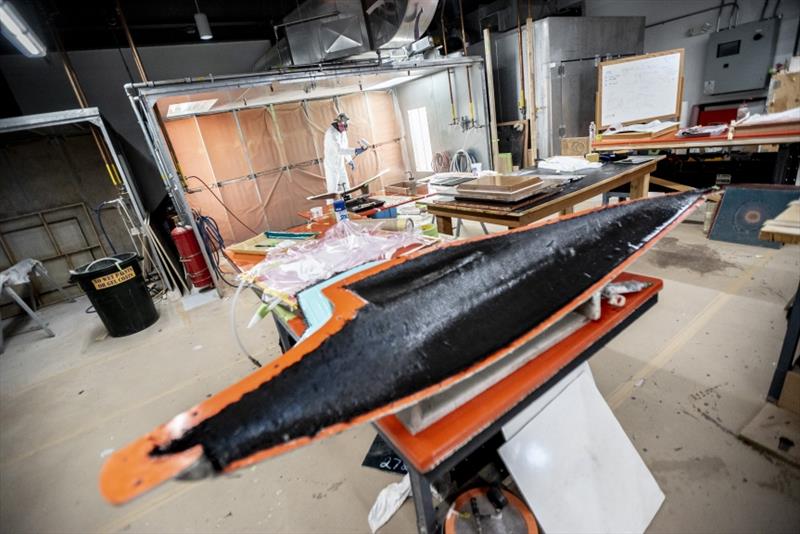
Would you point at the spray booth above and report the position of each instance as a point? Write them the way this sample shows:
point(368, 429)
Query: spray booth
point(252, 145)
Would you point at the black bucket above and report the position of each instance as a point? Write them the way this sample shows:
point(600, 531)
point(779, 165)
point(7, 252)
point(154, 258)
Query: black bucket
point(115, 286)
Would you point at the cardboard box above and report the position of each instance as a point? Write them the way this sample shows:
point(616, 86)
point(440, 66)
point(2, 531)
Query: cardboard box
point(784, 92)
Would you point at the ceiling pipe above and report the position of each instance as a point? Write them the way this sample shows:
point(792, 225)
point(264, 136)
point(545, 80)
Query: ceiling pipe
point(72, 77)
point(693, 13)
point(134, 51)
point(453, 112)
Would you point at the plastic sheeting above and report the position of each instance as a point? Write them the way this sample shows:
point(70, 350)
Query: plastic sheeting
point(287, 270)
point(20, 272)
point(264, 169)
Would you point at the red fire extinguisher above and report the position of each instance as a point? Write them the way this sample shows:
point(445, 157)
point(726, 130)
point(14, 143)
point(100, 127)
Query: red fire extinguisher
point(191, 257)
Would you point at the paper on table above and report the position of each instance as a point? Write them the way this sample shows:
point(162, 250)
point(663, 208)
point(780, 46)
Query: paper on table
point(568, 164)
point(790, 115)
point(651, 127)
point(703, 131)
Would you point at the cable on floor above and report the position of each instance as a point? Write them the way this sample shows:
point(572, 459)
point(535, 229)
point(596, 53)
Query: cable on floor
point(233, 324)
point(213, 242)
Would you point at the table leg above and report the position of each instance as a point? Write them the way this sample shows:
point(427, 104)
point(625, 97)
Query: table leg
point(32, 314)
point(640, 186)
point(787, 350)
point(444, 225)
point(423, 502)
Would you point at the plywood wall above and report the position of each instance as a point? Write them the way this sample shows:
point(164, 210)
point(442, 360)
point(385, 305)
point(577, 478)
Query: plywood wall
point(264, 169)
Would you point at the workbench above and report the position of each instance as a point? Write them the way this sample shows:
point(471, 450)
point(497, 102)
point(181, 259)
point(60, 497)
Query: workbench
point(671, 141)
point(595, 182)
point(786, 140)
point(437, 449)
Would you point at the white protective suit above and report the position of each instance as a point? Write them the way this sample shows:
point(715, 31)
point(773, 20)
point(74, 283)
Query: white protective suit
point(337, 154)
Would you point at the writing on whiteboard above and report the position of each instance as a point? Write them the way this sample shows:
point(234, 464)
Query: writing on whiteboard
point(640, 89)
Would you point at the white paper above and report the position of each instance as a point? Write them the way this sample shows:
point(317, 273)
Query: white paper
point(650, 127)
point(568, 164)
point(790, 115)
point(577, 469)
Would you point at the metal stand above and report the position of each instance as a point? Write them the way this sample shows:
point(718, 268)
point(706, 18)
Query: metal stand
point(787, 350)
point(41, 324)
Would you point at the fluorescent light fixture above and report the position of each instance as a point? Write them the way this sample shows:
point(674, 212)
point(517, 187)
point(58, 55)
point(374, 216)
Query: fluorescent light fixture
point(391, 82)
point(190, 108)
point(203, 27)
point(17, 31)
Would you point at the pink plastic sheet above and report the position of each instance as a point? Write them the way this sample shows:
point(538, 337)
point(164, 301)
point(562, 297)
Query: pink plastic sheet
point(272, 139)
point(287, 270)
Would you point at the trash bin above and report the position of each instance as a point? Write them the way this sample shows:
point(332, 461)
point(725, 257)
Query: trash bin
point(115, 287)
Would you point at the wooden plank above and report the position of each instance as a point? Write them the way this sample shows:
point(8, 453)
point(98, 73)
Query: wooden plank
point(444, 224)
point(640, 186)
point(575, 146)
point(785, 228)
point(444, 213)
point(675, 186)
point(673, 142)
point(530, 100)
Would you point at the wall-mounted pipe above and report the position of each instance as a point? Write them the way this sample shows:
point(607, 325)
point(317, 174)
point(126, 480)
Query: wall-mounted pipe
point(487, 43)
point(453, 111)
point(521, 100)
point(693, 13)
point(72, 77)
point(469, 67)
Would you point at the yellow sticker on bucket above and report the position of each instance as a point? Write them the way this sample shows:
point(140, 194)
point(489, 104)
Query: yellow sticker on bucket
point(113, 279)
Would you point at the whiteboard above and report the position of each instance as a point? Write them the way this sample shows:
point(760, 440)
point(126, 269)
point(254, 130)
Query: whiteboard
point(640, 89)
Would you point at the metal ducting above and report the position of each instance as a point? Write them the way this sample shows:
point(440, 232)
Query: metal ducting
point(325, 30)
point(322, 30)
point(399, 23)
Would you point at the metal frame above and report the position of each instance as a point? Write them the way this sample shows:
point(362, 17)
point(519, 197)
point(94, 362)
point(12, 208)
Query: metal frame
point(93, 117)
point(144, 96)
point(788, 348)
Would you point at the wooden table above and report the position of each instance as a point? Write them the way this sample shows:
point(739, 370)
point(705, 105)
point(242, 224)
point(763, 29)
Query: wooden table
point(672, 141)
point(595, 182)
point(785, 228)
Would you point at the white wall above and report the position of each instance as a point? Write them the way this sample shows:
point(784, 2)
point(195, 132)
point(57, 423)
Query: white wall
point(673, 34)
point(433, 93)
point(40, 85)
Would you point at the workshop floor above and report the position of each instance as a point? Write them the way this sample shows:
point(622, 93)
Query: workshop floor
point(683, 380)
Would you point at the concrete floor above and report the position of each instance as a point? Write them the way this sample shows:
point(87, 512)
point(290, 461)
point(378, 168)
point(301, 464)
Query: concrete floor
point(683, 380)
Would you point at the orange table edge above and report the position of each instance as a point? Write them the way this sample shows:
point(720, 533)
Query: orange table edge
point(672, 139)
point(434, 444)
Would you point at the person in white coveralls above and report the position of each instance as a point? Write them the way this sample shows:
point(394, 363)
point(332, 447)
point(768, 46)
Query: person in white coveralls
point(337, 154)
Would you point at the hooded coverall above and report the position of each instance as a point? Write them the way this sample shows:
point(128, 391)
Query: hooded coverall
point(337, 153)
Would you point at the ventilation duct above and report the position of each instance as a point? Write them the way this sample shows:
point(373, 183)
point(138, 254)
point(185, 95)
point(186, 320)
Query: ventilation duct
point(325, 30)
